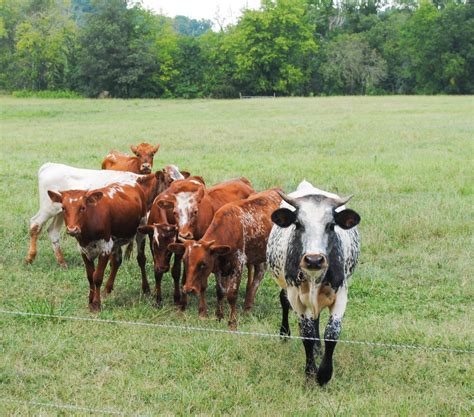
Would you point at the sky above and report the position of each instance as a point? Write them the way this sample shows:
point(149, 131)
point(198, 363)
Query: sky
point(228, 10)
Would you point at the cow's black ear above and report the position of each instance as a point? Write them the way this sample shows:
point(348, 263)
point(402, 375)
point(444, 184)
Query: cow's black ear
point(347, 218)
point(283, 217)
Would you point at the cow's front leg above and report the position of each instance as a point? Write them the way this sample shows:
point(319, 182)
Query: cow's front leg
point(308, 330)
point(141, 259)
point(184, 296)
point(176, 274)
point(158, 277)
point(233, 284)
point(220, 291)
point(98, 278)
point(202, 304)
point(285, 308)
point(90, 276)
point(332, 331)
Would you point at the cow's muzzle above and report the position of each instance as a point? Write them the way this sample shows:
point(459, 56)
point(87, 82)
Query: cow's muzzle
point(314, 261)
point(188, 289)
point(145, 168)
point(73, 231)
point(186, 236)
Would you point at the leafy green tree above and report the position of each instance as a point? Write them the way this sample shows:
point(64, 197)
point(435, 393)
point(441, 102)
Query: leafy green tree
point(44, 45)
point(116, 49)
point(437, 49)
point(351, 66)
point(191, 27)
point(218, 65)
point(273, 48)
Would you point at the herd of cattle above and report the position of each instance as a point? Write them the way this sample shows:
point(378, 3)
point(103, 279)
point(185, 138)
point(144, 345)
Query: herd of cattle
point(308, 239)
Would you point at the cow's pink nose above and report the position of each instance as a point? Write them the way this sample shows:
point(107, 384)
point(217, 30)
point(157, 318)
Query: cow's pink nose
point(73, 231)
point(187, 235)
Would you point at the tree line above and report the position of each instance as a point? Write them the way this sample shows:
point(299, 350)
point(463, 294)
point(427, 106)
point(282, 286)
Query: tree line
point(287, 47)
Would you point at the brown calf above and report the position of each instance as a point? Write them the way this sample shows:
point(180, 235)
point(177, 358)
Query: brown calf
point(142, 163)
point(103, 220)
point(237, 236)
point(162, 230)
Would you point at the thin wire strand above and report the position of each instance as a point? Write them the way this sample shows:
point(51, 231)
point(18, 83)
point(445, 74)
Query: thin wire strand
point(71, 407)
point(236, 332)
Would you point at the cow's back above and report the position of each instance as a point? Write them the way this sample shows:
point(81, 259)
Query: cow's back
point(228, 191)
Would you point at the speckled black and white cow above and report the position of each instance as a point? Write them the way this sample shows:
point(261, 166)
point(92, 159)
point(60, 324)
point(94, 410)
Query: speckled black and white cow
point(312, 251)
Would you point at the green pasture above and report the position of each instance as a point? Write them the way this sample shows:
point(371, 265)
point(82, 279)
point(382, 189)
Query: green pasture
point(407, 160)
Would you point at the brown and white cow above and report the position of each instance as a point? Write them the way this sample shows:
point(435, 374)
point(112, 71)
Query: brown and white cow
point(236, 237)
point(102, 220)
point(142, 163)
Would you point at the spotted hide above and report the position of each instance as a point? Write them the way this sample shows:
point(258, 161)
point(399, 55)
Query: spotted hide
point(236, 237)
point(312, 251)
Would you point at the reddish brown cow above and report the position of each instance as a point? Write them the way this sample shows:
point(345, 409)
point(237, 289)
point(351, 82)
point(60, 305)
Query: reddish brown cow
point(142, 163)
point(237, 236)
point(103, 220)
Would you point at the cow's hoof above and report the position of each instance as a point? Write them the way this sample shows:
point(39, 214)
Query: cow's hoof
point(94, 307)
point(232, 326)
point(310, 372)
point(146, 290)
point(284, 333)
point(158, 304)
point(63, 265)
point(324, 374)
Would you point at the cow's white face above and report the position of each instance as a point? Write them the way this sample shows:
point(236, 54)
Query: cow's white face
point(315, 227)
point(313, 234)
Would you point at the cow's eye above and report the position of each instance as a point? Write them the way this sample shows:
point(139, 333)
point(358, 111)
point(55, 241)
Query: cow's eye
point(330, 226)
point(63, 209)
point(83, 208)
point(202, 265)
point(298, 225)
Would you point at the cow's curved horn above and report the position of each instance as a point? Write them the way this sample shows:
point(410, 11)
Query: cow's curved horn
point(340, 201)
point(290, 200)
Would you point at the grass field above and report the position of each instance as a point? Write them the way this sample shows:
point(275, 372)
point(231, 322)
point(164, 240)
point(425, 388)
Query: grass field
point(409, 162)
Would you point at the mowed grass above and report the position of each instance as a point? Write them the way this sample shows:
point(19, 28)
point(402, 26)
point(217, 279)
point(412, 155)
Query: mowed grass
point(409, 162)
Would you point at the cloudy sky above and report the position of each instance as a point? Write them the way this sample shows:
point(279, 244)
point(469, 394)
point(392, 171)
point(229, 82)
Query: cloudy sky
point(202, 9)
